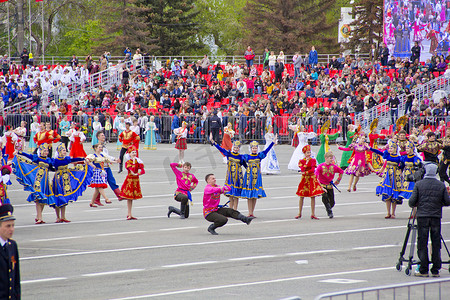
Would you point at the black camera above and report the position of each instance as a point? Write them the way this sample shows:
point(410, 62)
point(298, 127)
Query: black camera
point(419, 173)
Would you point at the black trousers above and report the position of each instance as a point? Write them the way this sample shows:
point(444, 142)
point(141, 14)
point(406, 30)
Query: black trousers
point(426, 226)
point(220, 217)
point(328, 197)
point(184, 203)
point(121, 155)
point(65, 140)
point(443, 167)
point(216, 135)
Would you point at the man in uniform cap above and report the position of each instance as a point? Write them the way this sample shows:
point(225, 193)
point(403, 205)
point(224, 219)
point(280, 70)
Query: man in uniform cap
point(9, 256)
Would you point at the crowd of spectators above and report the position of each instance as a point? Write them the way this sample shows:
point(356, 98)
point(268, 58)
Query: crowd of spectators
point(279, 91)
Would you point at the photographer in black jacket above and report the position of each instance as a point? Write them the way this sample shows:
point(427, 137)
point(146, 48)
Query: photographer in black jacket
point(429, 196)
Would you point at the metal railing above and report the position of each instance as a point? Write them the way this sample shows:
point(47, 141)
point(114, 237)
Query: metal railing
point(104, 79)
point(429, 289)
point(246, 129)
point(383, 112)
point(55, 60)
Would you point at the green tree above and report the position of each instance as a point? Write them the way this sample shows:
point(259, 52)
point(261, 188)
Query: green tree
point(367, 28)
point(171, 25)
point(290, 25)
point(221, 24)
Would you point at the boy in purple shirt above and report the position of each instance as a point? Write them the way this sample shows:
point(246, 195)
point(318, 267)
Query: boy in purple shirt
point(325, 174)
point(215, 213)
point(186, 183)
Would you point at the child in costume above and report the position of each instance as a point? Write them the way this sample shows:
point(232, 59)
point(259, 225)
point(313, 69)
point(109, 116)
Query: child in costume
point(77, 138)
point(325, 174)
point(150, 139)
point(375, 160)
point(31, 171)
point(309, 186)
point(358, 166)
point(227, 143)
point(21, 132)
point(253, 188)
point(390, 184)
point(186, 183)
point(269, 165)
point(181, 144)
point(324, 138)
point(302, 138)
point(9, 139)
point(234, 178)
point(5, 172)
point(213, 211)
point(131, 187)
point(68, 183)
point(98, 161)
point(346, 155)
point(96, 126)
point(296, 129)
point(34, 128)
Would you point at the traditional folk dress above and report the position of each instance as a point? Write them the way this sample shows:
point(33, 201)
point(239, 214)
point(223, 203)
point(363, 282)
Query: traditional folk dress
point(96, 126)
point(41, 137)
point(234, 178)
point(77, 150)
point(253, 187)
point(325, 174)
point(390, 184)
point(70, 183)
point(324, 146)
point(346, 155)
point(358, 166)
point(120, 129)
point(309, 186)
point(227, 143)
point(4, 182)
point(295, 138)
point(406, 187)
point(99, 176)
point(9, 139)
point(150, 139)
point(34, 129)
point(181, 133)
point(298, 155)
point(269, 165)
point(131, 187)
point(375, 159)
point(31, 171)
point(136, 129)
point(21, 132)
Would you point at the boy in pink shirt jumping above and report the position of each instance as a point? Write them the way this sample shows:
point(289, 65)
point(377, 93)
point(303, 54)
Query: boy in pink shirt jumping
point(186, 183)
point(215, 213)
point(325, 174)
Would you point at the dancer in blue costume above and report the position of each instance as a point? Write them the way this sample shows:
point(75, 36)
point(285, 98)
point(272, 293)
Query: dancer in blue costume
point(234, 178)
point(253, 188)
point(412, 161)
point(389, 186)
point(32, 172)
point(68, 183)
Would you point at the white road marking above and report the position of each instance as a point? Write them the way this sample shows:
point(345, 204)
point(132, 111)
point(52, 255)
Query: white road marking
point(342, 281)
point(42, 280)
point(86, 236)
point(311, 252)
point(301, 262)
point(234, 285)
point(103, 251)
point(252, 257)
point(120, 233)
point(191, 264)
point(101, 210)
point(179, 228)
point(112, 272)
point(374, 247)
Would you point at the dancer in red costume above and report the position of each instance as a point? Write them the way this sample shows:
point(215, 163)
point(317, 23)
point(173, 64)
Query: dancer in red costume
point(77, 138)
point(309, 186)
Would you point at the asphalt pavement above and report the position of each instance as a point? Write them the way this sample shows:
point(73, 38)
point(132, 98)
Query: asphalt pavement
point(101, 255)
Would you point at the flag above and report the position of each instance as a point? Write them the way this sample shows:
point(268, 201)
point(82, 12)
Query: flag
point(3, 1)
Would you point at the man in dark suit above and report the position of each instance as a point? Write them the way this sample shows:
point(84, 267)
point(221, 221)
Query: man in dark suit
point(9, 256)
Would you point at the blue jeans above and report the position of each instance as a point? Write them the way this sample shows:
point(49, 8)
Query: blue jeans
point(408, 106)
point(394, 115)
point(249, 62)
point(296, 72)
point(272, 68)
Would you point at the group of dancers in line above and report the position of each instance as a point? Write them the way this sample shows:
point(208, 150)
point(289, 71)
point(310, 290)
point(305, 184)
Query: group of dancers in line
point(392, 163)
point(32, 170)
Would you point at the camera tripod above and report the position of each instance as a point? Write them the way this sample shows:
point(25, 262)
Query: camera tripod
point(412, 232)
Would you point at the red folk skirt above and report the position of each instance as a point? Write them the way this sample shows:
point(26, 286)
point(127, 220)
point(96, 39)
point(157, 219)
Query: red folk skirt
point(77, 149)
point(227, 144)
point(181, 144)
point(131, 188)
point(295, 141)
point(309, 186)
